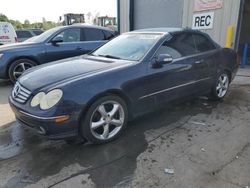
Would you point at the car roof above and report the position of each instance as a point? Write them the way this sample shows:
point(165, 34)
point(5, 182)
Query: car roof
point(172, 30)
point(34, 29)
point(70, 26)
point(160, 30)
point(24, 30)
point(87, 26)
point(166, 30)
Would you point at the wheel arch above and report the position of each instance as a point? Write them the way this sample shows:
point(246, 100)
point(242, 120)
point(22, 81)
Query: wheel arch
point(20, 57)
point(229, 73)
point(115, 92)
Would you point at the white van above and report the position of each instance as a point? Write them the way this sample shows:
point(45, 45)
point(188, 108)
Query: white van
point(7, 33)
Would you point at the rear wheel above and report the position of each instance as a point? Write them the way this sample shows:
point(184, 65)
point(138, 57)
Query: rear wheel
point(18, 67)
point(105, 120)
point(221, 86)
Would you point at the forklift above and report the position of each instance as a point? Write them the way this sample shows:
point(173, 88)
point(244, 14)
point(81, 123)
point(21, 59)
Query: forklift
point(71, 18)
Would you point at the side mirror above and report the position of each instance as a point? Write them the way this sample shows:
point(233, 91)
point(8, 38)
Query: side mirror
point(162, 59)
point(56, 40)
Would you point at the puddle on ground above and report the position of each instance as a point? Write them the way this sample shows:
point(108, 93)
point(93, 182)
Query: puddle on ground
point(11, 141)
point(110, 164)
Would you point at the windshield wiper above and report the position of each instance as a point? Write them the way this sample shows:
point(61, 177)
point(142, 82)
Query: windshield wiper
point(110, 56)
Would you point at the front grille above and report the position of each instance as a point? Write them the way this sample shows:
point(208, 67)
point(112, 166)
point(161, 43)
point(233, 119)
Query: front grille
point(20, 94)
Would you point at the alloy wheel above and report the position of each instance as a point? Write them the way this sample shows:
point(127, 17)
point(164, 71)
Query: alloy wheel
point(20, 68)
point(222, 85)
point(107, 120)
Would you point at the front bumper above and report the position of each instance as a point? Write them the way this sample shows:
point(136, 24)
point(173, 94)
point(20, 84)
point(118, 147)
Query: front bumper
point(46, 126)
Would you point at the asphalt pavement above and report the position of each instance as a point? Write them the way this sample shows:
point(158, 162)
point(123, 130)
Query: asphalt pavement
point(200, 143)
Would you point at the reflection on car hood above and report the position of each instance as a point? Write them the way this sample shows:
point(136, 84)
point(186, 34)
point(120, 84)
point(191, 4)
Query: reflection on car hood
point(17, 46)
point(67, 70)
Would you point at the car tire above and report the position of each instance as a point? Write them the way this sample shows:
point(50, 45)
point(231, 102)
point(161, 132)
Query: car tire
point(17, 67)
point(105, 120)
point(220, 86)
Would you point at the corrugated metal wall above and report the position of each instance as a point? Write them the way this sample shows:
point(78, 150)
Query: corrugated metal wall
point(228, 15)
point(178, 13)
point(157, 13)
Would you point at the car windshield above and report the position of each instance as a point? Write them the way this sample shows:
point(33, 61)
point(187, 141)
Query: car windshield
point(44, 36)
point(131, 46)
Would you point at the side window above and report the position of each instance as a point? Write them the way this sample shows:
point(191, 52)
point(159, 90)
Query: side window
point(184, 43)
point(168, 48)
point(92, 34)
point(70, 35)
point(180, 45)
point(108, 35)
point(203, 44)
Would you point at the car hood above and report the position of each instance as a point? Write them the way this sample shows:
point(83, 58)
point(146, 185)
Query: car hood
point(62, 71)
point(17, 46)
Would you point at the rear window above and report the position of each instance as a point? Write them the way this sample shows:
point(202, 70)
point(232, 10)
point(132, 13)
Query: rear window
point(92, 34)
point(23, 34)
point(108, 35)
point(203, 44)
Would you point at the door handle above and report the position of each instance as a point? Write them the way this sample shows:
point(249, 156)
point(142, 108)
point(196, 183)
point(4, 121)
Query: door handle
point(199, 61)
point(78, 48)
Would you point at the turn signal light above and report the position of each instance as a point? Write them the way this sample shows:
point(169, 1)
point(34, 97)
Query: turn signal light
point(62, 119)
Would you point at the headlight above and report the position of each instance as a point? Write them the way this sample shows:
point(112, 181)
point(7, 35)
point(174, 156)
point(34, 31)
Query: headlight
point(51, 99)
point(37, 99)
point(48, 100)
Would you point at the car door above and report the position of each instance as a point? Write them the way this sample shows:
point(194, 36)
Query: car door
point(205, 66)
point(69, 46)
point(92, 39)
point(176, 79)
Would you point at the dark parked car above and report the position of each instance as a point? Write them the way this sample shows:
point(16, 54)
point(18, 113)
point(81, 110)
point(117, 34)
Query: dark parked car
point(54, 44)
point(24, 34)
point(94, 95)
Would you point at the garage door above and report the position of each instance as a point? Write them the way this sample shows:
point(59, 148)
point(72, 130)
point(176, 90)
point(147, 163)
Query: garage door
point(157, 13)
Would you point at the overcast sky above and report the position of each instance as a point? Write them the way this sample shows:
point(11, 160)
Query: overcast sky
point(34, 10)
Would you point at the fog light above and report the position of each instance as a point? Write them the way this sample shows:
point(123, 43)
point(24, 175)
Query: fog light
point(62, 119)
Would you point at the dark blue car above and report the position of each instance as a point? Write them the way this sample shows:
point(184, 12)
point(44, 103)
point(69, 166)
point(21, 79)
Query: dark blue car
point(93, 96)
point(54, 44)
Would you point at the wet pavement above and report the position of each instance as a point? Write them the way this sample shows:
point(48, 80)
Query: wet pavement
point(206, 143)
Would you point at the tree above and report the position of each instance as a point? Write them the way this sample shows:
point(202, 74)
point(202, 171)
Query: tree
point(89, 17)
point(95, 20)
point(16, 24)
point(26, 24)
point(40, 25)
point(3, 18)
